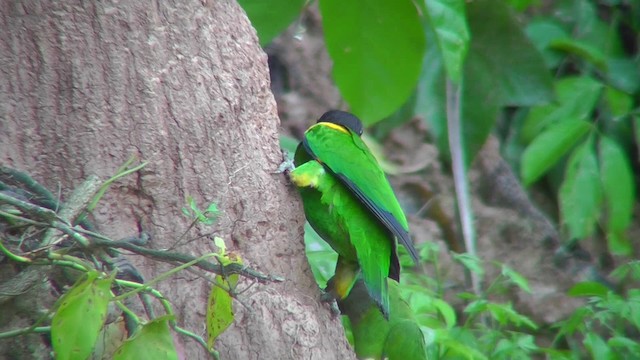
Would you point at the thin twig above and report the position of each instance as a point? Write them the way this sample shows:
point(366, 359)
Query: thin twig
point(27, 330)
point(166, 256)
point(78, 201)
point(36, 211)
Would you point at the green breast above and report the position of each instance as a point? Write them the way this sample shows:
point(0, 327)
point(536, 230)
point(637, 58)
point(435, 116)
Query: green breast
point(320, 217)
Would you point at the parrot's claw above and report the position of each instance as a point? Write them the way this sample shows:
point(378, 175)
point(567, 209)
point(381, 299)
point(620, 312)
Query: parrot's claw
point(335, 310)
point(330, 300)
point(287, 164)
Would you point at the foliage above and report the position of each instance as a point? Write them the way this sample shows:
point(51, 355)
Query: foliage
point(587, 132)
point(206, 217)
point(271, 17)
point(79, 317)
point(365, 41)
point(558, 83)
point(606, 325)
point(78, 321)
point(152, 341)
point(219, 310)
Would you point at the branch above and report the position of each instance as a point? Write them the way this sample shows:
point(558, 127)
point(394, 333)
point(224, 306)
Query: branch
point(167, 256)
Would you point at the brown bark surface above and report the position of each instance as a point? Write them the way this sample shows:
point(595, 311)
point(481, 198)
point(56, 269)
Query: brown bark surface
point(184, 86)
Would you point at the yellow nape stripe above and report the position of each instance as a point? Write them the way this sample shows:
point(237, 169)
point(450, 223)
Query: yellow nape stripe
point(334, 126)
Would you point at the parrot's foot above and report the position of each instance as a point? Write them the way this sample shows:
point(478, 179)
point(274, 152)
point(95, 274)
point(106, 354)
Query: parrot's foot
point(287, 164)
point(330, 300)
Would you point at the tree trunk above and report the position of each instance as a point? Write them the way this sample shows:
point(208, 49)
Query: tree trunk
point(183, 85)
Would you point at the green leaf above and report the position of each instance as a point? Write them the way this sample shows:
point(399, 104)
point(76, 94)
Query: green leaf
point(219, 243)
point(220, 303)
point(576, 322)
point(518, 70)
point(631, 268)
point(80, 316)
point(597, 346)
point(624, 74)
point(153, 341)
point(450, 341)
point(588, 289)
point(447, 312)
point(618, 102)
point(542, 31)
point(479, 106)
point(516, 278)
point(219, 311)
point(580, 193)
point(476, 307)
point(522, 5)
point(547, 148)
point(377, 48)
point(619, 193)
point(622, 343)
point(586, 25)
point(576, 99)
point(448, 21)
point(500, 58)
point(582, 49)
point(472, 263)
point(505, 314)
point(212, 210)
point(431, 94)
point(271, 17)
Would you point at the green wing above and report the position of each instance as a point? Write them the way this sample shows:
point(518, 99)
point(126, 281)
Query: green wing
point(348, 220)
point(345, 155)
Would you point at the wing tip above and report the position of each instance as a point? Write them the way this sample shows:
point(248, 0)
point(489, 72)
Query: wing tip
point(380, 296)
point(405, 240)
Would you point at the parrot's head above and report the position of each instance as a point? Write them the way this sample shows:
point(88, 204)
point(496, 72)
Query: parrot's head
point(343, 118)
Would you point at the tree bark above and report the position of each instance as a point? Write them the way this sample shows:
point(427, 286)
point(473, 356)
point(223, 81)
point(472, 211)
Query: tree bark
point(183, 85)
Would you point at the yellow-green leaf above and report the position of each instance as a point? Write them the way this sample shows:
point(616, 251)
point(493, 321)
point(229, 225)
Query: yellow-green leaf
point(80, 316)
point(271, 17)
point(516, 278)
point(377, 48)
point(548, 147)
point(449, 23)
point(619, 193)
point(219, 305)
point(588, 289)
point(576, 99)
point(581, 192)
point(152, 342)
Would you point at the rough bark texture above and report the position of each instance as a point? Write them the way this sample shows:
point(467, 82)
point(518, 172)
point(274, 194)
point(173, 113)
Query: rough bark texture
point(184, 86)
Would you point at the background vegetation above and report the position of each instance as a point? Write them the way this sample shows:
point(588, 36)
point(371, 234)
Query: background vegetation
point(557, 83)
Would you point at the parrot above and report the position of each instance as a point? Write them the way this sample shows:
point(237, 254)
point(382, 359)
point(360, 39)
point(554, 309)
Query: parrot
point(349, 202)
point(399, 338)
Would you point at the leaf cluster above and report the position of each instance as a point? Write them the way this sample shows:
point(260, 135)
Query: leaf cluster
point(94, 316)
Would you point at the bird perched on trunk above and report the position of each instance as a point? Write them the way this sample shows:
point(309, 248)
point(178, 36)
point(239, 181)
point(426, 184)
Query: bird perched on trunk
point(348, 201)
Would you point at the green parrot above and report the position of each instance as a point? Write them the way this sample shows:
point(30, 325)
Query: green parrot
point(348, 201)
point(398, 338)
